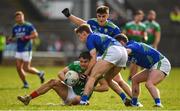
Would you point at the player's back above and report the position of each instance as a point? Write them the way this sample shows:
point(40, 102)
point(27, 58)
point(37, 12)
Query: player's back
point(143, 54)
point(100, 42)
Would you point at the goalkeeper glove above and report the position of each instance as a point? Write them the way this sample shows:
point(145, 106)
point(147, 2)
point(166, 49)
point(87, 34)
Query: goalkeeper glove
point(66, 12)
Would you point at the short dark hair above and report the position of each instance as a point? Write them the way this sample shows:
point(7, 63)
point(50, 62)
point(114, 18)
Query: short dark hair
point(83, 27)
point(85, 55)
point(102, 10)
point(121, 37)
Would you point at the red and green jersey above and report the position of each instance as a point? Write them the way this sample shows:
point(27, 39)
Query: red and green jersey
point(135, 31)
point(79, 87)
point(151, 27)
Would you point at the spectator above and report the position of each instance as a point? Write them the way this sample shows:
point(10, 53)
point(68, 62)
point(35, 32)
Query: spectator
point(175, 15)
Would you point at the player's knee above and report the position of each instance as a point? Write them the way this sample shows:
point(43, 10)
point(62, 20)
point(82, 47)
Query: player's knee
point(52, 82)
point(149, 84)
point(26, 68)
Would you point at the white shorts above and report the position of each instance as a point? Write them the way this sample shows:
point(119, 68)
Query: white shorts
point(116, 55)
point(71, 94)
point(163, 65)
point(25, 56)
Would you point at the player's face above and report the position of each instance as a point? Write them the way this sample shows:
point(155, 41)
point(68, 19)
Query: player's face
point(19, 19)
point(102, 18)
point(82, 36)
point(84, 63)
point(151, 16)
point(139, 17)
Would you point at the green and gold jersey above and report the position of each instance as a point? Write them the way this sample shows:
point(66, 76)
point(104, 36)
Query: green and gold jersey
point(135, 31)
point(151, 27)
point(79, 87)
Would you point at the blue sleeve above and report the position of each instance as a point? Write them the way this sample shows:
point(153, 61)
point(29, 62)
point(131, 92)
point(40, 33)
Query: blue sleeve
point(132, 47)
point(31, 28)
point(90, 43)
point(116, 31)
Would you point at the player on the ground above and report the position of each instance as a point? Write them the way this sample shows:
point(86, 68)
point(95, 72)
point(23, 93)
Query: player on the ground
point(23, 32)
point(156, 65)
point(101, 24)
point(113, 58)
point(135, 30)
point(153, 30)
point(69, 94)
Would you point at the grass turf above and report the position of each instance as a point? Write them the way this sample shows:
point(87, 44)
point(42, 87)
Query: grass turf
point(10, 88)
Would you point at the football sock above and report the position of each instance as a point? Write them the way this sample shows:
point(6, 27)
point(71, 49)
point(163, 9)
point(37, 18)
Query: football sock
point(123, 96)
point(84, 98)
point(34, 94)
point(134, 101)
point(25, 82)
point(157, 101)
point(39, 73)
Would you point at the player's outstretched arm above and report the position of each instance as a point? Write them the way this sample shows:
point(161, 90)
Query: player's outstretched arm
point(76, 20)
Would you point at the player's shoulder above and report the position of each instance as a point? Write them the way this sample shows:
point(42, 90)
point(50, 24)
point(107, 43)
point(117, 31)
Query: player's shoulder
point(92, 20)
point(142, 24)
point(130, 23)
point(28, 23)
point(75, 63)
point(156, 24)
point(15, 25)
point(111, 24)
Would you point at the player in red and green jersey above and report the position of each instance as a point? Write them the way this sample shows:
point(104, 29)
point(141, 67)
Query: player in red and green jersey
point(71, 95)
point(135, 30)
point(153, 29)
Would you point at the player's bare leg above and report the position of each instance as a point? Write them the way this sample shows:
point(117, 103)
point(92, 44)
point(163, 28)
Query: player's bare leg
point(27, 67)
point(136, 80)
point(60, 88)
point(114, 85)
point(133, 70)
point(96, 72)
point(154, 78)
point(118, 78)
point(21, 72)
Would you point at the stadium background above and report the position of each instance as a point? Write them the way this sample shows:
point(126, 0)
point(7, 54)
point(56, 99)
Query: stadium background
point(57, 43)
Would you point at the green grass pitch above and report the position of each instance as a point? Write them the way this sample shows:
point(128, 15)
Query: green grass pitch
point(10, 88)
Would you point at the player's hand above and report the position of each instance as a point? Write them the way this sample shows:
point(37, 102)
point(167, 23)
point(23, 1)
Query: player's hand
point(145, 38)
point(66, 12)
point(25, 38)
point(83, 77)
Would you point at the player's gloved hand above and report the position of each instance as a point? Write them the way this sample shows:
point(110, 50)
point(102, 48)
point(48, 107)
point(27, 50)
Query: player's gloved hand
point(83, 77)
point(25, 38)
point(66, 12)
